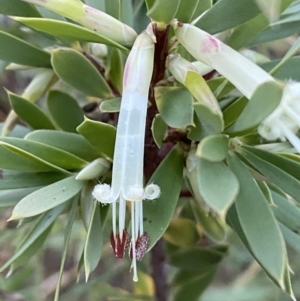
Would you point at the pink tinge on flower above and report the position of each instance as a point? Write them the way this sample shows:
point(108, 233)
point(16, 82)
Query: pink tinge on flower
point(210, 45)
point(141, 246)
point(119, 244)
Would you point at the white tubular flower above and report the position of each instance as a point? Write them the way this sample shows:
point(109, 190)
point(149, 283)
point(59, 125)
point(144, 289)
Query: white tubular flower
point(127, 177)
point(91, 18)
point(284, 122)
point(240, 71)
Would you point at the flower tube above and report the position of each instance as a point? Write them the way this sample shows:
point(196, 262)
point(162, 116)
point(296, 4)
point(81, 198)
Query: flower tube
point(284, 121)
point(91, 18)
point(127, 177)
point(240, 71)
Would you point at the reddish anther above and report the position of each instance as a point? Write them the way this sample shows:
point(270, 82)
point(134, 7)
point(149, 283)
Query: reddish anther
point(141, 246)
point(119, 244)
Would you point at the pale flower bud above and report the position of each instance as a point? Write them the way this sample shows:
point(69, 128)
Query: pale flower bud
point(91, 18)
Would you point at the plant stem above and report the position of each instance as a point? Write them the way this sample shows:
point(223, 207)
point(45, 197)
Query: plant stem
point(159, 271)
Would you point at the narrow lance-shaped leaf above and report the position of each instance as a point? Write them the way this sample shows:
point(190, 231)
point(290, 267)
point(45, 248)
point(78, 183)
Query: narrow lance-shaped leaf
point(67, 30)
point(258, 225)
point(47, 153)
point(47, 198)
point(41, 226)
point(30, 112)
point(15, 158)
point(12, 179)
point(13, 49)
point(94, 241)
point(17, 8)
point(158, 214)
point(68, 230)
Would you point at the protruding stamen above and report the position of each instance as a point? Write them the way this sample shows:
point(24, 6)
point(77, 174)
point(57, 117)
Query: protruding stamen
point(119, 244)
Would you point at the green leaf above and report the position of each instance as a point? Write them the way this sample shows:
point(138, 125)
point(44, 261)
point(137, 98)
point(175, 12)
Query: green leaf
point(245, 33)
point(111, 105)
point(286, 212)
point(182, 232)
point(47, 153)
point(197, 259)
point(112, 7)
point(18, 8)
point(291, 238)
point(100, 135)
point(94, 242)
point(59, 104)
point(233, 111)
point(86, 204)
point(263, 102)
point(12, 157)
point(175, 106)
point(158, 214)
point(259, 228)
point(30, 112)
point(213, 227)
point(288, 70)
point(159, 130)
point(68, 230)
point(203, 5)
point(285, 162)
point(70, 65)
point(186, 10)
point(211, 123)
point(69, 142)
point(163, 11)
point(40, 227)
point(279, 175)
point(213, 148)
point(11, 197)
point(47, 198)
point(217, 184)
point(242, 10)
point(67, 30)
point(13, 49)
point(115, 69)
point(10, 179)
point(30, 251)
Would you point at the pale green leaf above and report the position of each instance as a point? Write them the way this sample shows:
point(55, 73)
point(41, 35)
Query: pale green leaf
point(217, 185)
point(94, 241)
point(258, 226)
point(213, 148)
point(13, 49)
point(158, 213)
point(59, 104)
point(159, 130)
point(47, 198)
point(100, 135)
point(70, 65)
point(175, 106)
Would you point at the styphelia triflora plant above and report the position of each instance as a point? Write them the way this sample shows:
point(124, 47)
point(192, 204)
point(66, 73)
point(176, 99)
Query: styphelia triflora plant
point(219, 134)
